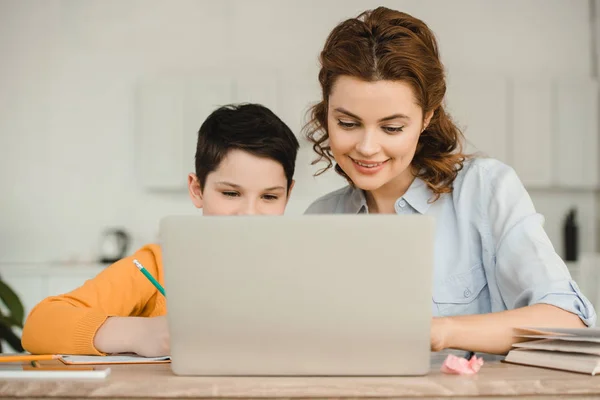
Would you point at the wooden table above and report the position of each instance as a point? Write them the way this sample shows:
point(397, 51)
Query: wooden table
point(157, 381)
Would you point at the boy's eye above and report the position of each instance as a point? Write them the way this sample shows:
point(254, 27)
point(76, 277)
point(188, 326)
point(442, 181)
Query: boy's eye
point(347, 124)
point(270, 197)
point(393, 129)
point(231, 194)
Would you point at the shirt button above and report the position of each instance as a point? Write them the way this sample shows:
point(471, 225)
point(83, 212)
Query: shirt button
point(467, 293)
point(401, 203)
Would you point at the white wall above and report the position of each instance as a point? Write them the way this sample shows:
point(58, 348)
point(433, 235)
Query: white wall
point(596, 72)
point(68, 71)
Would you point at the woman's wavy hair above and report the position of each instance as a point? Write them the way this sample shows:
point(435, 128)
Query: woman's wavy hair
point(384, 44)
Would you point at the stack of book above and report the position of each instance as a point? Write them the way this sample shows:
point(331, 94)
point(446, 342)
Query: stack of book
point(576, 350)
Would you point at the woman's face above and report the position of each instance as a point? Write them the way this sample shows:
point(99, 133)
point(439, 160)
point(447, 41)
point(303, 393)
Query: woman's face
point(374, 128)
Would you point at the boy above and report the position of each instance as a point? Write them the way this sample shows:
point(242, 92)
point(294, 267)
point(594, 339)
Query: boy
point(245, 159)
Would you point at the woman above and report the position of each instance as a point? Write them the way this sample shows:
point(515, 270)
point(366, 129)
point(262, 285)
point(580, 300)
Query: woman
point(382, 122)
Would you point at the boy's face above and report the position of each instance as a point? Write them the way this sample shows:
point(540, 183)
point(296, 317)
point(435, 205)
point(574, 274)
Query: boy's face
point(243, 184)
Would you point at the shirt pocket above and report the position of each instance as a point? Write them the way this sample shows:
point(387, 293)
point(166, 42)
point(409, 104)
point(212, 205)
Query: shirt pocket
point(463, 293)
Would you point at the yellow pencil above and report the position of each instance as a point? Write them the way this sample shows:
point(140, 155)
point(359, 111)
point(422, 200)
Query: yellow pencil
point(58, 368)
point(28, 357)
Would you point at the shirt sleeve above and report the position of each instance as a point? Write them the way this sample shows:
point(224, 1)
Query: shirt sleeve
point(528, 269)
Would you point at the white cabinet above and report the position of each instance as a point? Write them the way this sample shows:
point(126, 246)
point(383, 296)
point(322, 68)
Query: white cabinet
point(33, 283)
point(261, 88)
point(30, 288)
point(170, 111)
point(169, 114)
point(159, 130)
point(201, 97)
point(547, 129)
point(531, 137)
point(298, 94)
point(478, 105)
point(576, 120)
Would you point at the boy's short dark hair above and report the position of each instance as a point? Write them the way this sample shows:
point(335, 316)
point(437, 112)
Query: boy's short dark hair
point(249, 127)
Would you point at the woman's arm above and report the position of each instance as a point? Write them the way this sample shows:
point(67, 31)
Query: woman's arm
point(494, 333)
point(532, 281)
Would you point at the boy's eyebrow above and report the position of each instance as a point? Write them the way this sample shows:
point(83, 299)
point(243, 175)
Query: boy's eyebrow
point(348, 113)
point(233, 185)
point(271, 189)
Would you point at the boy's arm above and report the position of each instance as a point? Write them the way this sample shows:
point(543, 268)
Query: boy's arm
point(67, 324)
point(148, 337)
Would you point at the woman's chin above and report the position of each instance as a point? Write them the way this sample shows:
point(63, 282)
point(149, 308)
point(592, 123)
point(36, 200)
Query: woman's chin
point(369, 183)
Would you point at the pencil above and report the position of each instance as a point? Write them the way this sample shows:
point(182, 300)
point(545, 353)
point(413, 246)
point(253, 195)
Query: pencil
point(57, 368)
point(28, 357)
point(149, 276)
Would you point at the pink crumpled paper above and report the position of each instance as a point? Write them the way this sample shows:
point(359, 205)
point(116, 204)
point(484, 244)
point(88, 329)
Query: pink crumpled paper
point(461, 366)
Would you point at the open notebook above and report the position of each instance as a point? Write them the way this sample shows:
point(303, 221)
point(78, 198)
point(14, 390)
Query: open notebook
point(76, 359)
point(17, 371)
point(112, 359)
point(576, 350)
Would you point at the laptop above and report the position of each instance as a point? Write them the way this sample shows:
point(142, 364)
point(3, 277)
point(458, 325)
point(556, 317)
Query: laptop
point(310, 295)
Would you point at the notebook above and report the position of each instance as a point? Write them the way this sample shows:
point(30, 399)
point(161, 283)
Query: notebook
point(23, 372)
point(76, 359)
point(576, 350)
point(113, 359)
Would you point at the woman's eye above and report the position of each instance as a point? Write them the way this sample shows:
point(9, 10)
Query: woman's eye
point(347, 125)
point(270, 197)
point(393, 129)
point(231, 194)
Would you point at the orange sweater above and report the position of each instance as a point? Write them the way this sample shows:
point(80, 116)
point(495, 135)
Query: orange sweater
point(67, 324)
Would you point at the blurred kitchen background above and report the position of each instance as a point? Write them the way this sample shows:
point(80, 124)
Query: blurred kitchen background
point(100, 102)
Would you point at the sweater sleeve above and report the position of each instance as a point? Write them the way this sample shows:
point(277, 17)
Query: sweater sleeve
point(67, 324)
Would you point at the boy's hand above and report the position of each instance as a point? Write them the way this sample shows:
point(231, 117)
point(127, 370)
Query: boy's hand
point(148, 337)
point(153, 339)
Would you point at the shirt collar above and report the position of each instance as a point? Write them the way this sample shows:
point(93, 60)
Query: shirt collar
point(356, 202)
point(417, 195)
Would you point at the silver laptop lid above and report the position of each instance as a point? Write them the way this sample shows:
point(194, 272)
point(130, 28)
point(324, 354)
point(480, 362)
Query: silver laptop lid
point(305, 295)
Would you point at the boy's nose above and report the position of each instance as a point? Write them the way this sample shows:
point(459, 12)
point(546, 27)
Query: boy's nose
point(249, 208)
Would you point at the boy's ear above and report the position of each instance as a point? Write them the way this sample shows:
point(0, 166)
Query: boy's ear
point(195, 190)
point(289, 192)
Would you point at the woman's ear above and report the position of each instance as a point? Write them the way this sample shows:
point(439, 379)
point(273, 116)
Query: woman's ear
point(195, 190)
point(427, 120)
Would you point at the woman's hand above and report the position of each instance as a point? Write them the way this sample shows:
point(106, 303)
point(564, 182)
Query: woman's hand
point(440, 333)
point(494, 333)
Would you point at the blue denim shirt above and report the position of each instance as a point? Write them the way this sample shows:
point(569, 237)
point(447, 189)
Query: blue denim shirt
point(491, 250)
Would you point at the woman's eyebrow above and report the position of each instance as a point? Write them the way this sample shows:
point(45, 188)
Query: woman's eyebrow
point(348, 113)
